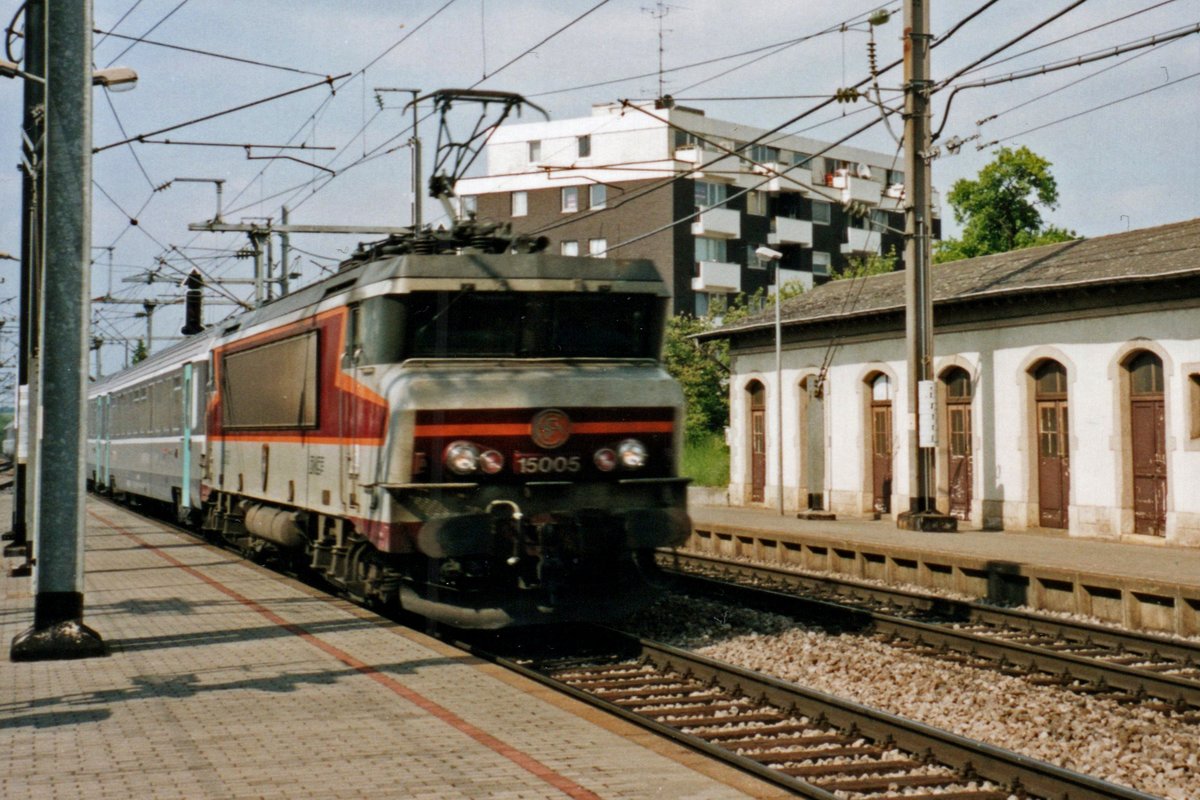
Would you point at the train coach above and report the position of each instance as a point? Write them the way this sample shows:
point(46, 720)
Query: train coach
point(456, 422)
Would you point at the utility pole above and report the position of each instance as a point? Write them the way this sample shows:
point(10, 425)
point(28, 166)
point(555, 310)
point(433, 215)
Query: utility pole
point(58, 631)
point(920, 432)
point(32, 208)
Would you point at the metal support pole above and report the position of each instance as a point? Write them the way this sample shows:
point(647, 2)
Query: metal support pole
point(285, 254)
point(416, 168)
point(922, 513)
point(58, 630)
point(256, 243)
point(148, 309)
point(32, 194)
point(779, 384)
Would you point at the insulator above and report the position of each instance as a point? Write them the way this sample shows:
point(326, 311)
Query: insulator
point(871, 59)
point(424, 244)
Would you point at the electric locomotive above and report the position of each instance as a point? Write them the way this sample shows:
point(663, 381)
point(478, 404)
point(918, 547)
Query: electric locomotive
point(456, 421)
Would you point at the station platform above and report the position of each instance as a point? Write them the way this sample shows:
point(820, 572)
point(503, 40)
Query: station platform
point(226, 680)
point(1145, 586)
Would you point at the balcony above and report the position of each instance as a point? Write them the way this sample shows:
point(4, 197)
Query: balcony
point(861, 242)
point(718, 223)
point(717, 277)
point(857, 190)
point(785, 230)
point(781, 177)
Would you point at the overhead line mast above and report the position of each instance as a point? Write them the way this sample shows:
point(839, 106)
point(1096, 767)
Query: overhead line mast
point(920, 431)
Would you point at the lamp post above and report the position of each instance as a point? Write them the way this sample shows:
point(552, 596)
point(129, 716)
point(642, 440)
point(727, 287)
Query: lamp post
point(765, 255)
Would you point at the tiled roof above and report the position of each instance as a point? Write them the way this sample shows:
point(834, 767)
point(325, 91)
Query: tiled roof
point(1123, 257)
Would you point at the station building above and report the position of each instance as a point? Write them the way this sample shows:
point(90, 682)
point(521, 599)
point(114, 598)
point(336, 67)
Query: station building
point(1068, 384)
point(668, 189)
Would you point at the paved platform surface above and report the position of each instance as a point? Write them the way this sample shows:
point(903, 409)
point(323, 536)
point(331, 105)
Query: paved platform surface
point(228, 681)
point(1044, 548)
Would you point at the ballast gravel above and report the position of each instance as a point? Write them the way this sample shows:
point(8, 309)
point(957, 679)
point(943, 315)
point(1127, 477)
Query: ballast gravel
point(1125, 744)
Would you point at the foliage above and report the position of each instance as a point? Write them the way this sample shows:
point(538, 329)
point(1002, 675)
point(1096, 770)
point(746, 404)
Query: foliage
point(702, 368)
point(702, 371)
point(1001, 209)
point(140, 352)
point(873, 264)
point(706, 459)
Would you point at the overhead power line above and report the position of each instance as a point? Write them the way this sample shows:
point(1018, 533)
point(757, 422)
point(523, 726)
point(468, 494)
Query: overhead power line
point(209, 53)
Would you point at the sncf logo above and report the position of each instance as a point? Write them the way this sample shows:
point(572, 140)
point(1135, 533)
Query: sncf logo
point(550, 428)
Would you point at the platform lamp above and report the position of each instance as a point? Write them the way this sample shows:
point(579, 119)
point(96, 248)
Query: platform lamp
point(767, 255)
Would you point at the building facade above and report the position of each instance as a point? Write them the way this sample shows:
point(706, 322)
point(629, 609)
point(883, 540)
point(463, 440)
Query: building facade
point(691, 193)
point(1068, 381)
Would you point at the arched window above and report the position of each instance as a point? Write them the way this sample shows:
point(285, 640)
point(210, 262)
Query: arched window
point(1148, 442)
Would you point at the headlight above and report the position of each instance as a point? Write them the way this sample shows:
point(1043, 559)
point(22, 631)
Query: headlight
point(462, 457)
point(605, 459)
point(632, 454)
point(491, 462)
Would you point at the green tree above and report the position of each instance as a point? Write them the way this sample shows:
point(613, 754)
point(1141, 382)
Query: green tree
point(702, 368)
point(1001, 209)
point(140, 353)
point(702, 371)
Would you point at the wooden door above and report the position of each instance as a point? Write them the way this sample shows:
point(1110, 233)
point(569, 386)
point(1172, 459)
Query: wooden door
point(959, 393)
point(1054, 468)
point(960, 459)
point(1148, 440)
point(1148, 435)
point(758, 443)
point(881, 455)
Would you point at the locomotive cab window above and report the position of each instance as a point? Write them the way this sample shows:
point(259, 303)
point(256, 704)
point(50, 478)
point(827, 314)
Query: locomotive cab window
point(470, 324)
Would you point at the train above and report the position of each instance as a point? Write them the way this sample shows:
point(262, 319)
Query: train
point(455, 422)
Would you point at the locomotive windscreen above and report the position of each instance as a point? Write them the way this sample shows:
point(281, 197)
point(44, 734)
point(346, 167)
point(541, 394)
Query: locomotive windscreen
point(470, 324)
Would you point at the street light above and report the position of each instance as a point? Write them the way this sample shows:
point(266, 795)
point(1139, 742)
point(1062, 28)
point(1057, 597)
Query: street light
point(766, 254)
point(118, 79)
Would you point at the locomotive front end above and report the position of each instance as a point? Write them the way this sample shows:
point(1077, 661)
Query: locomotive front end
point(531, 466)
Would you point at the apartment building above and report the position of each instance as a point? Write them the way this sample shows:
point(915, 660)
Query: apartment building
point(676, 186)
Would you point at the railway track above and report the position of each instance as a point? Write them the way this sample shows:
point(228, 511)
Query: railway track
point(813, 744)
point(1161, 672)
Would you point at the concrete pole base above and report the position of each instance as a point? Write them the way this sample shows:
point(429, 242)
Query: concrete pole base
point(58, 632)
point(929, 521)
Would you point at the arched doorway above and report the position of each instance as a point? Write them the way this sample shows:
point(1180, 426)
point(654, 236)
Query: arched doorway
point(812, 442)
point(881, 444)
point(1148, 443)
point(959, 393)
point(1054, 467)
point(758, 441)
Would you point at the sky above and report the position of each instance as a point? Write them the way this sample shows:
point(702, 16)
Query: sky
point(1121, 133)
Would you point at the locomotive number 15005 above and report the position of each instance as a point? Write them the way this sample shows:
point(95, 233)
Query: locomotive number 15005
point(535, 464)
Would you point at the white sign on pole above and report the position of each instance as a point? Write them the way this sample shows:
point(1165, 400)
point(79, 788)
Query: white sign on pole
point(926, 414)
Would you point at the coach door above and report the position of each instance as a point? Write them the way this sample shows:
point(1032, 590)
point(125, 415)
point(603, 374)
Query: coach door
point(1147, 424)
point(958, 415)
point(758, 442)
point(881, 444)
point(1054, 468)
